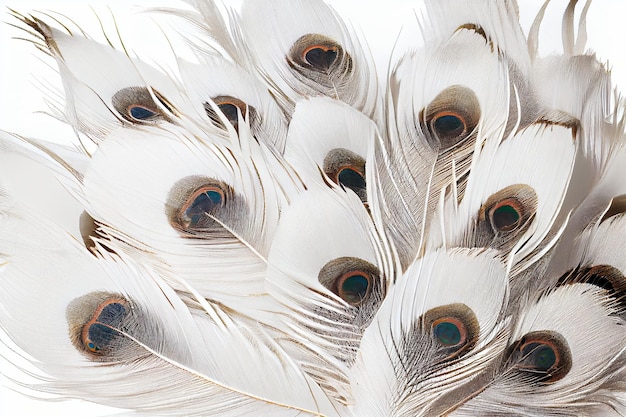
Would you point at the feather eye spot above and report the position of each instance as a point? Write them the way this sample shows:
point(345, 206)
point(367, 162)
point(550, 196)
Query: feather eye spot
point(97, 323)
point(320, 62)
point(347, 169)
point(353, 286)
point(230, 108)
point(203, 202)
point(448, 125)
point(230, 111)
point(544, 356)
point(541, 356)
point(449, 331)
point(451, 118)
point(203, 207)
point(354, 280)
point(506, 215)
point(606, 277)
point(452, 327)
point(140, 113)
point(101, 331)
point(320, 57)
point(137, 105)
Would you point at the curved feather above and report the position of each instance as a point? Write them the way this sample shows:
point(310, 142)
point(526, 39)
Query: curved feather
point(512, 200)
point(330, 142)
point(234, 90)
point(435, 127)
point(303, 48)
point(411, 354)
point(106, 89)
point(553, 368)
point(203, 214)
point(114, 332)
point(329, 297)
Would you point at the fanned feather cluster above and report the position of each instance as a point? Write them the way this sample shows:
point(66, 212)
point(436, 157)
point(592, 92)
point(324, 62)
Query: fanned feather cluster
point(274, 231)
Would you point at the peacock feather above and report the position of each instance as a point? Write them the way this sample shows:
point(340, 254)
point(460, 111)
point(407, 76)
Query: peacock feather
point(270, 220)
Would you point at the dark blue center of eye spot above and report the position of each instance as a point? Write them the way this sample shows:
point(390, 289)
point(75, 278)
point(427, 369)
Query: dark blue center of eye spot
point(448, 125)
point(230, 111)
point(100, 337)
point(112, 314)
point(205, 203)
point(141, 113)
point(321, 58)
point(351, 179)
point(448, 334)
point(541, 357)
point(505, 217)
point(354, 288)
point(102, 332)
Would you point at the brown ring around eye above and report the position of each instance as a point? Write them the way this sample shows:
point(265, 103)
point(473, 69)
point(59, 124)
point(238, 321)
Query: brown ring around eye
point(449, 331)
point(202, 202)
point(450, 118)
point(506, 215)
point(544, 355)
point(448, 125)
point(354, 280)
point(314, 54)
point(453, 327)
point(354, 286)
point(197, 206)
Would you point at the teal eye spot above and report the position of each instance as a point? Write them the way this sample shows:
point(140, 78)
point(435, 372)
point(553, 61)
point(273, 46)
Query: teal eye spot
point(354, 287)
point(539, 356)
point(505, 217)
point(141, 113)
point(447, 333)
point(542, 356)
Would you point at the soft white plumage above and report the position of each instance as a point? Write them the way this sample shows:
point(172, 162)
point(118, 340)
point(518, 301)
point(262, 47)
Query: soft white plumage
point(277, 226)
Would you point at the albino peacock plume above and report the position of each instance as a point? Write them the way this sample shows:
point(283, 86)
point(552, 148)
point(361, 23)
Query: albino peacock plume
point(277, 225)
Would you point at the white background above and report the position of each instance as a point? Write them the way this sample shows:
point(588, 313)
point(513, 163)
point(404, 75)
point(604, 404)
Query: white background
point(24, 72)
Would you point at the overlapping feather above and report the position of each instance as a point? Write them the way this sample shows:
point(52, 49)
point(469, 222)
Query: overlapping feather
point(265, 235)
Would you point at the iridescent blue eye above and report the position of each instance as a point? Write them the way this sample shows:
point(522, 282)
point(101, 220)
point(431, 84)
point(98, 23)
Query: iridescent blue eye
point(450, 118)
point(202, 203)
point(449, 331)
point(353, 286)
point(354, 280)
point(141, 113)
point(448, 334)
